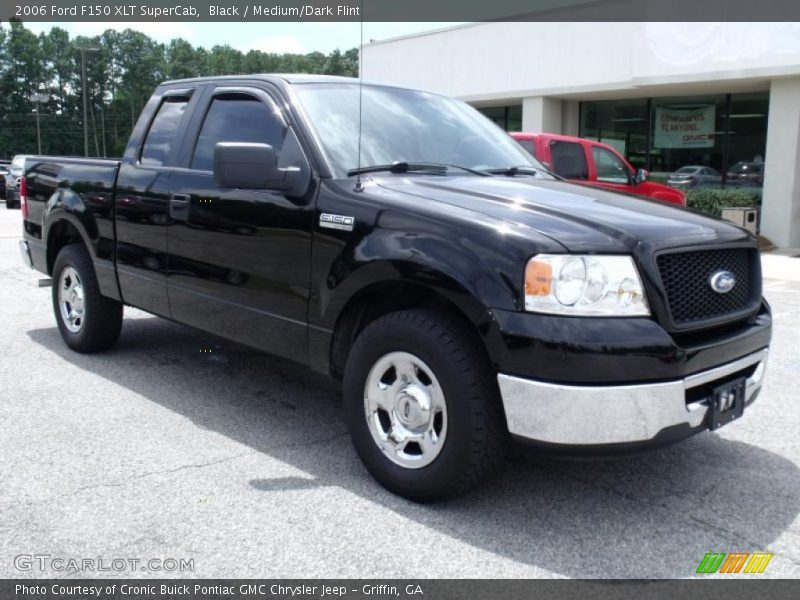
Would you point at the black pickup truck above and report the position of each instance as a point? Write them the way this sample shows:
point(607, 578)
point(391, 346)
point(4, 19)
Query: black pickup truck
point(399, 242)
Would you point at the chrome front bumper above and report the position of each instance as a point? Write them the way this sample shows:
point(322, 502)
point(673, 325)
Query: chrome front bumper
point(25, 253)
point(600, 415)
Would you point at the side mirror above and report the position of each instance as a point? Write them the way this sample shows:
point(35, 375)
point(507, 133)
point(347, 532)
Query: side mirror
point(640, 176)
point(251, 166)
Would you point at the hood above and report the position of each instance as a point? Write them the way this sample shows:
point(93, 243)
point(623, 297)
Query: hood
point(580, 218)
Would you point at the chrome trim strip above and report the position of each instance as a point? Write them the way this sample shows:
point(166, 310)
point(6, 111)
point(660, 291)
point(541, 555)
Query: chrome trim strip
point(726, 369)
point(588, 415)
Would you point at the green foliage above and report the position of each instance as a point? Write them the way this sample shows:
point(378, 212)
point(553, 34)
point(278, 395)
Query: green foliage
point(713, 200)
point(121, 73)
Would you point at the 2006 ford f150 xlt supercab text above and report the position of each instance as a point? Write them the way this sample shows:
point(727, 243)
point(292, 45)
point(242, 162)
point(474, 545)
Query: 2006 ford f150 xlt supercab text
point(464, 296)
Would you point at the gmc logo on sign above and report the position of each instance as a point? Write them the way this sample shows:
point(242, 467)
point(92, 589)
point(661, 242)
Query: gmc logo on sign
point(336, 222)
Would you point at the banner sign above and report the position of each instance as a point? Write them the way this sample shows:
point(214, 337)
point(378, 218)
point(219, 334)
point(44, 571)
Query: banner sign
point(685, 127)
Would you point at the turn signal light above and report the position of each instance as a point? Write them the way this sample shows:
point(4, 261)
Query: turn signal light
point(538, 278)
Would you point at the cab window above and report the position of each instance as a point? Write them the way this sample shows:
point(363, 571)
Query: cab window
point(528, 145)
point(237, 118)
point(158, 143)
point(569, 160)
point(610, 167)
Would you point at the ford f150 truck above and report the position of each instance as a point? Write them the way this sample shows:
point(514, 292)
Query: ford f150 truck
point(595, 164)
point(398, 241)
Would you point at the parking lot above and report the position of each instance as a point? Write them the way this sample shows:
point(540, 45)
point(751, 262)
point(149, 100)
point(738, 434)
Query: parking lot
point(174, 445)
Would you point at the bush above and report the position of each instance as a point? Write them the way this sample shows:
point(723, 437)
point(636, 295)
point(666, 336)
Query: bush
point(712, 201)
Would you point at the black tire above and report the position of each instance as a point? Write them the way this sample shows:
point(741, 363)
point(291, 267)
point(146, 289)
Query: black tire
point(476, 440)
point(11, 205)
point(101, 320)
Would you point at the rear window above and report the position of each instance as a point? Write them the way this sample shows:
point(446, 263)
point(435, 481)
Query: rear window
point(159, 140)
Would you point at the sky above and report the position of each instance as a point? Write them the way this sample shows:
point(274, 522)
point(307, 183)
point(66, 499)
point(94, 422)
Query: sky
point(299, 38)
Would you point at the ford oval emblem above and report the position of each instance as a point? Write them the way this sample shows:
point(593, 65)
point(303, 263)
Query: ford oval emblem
point(722, 282)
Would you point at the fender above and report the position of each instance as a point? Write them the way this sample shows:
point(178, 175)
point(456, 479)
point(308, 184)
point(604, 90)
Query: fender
point(386, 260)
point(67, 206)
point(455, 271)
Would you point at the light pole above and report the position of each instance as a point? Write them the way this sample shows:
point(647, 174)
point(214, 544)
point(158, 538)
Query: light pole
point(37, 98)
point(83, 50)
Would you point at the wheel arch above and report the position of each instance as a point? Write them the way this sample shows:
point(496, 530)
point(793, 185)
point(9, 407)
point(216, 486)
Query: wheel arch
point(390, 295)
point(61, 231)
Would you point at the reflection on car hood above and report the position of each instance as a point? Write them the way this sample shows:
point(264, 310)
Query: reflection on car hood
point(579, 217)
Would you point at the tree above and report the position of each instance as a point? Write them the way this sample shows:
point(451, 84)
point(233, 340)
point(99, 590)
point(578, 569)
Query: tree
point(181, 60)
point(120, 77)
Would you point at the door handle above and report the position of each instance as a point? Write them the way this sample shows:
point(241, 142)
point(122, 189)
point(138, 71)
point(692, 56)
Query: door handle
point(179, 206)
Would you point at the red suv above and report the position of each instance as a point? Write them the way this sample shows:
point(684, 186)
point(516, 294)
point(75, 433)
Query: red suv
point(592, 163)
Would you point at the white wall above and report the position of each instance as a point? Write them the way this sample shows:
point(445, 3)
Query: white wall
point(541, 115)
point(494, 61)
point(780, 217)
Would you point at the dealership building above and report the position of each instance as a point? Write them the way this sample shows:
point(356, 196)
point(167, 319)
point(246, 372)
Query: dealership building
point(666, 95)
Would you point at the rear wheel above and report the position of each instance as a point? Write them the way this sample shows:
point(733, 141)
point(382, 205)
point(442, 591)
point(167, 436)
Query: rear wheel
point(87, 320)
point(422, 405)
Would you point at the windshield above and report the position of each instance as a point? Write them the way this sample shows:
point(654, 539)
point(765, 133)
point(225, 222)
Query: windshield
point(401, 125)
point(684, 170)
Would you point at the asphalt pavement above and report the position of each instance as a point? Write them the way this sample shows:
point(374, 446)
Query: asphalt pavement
point(179, 446)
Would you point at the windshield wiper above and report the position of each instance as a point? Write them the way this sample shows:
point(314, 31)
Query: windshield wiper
point(408, 167)
point(512, 171)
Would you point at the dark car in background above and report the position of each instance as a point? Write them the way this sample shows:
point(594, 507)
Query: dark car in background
point(15, 172)
point(4, 164)
point(746, 172)
point(693, 176)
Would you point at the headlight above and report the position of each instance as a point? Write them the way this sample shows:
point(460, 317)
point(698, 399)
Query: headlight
point(584, 285)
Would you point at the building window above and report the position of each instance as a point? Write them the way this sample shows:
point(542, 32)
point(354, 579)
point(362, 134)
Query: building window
point(508, 118)
point(747, 139)
point(622, 124)
point(688, 132)
point(664, 135)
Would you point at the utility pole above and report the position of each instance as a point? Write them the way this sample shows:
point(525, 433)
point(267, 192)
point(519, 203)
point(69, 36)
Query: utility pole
point(83, 50)
point(37, 98)
point(103, 127)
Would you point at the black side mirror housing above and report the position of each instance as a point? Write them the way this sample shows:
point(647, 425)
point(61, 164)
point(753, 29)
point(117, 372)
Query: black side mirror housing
point(245, 165)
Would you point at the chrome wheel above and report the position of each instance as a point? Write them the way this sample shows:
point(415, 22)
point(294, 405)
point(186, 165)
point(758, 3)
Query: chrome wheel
point(71, 299)
point(405, 410)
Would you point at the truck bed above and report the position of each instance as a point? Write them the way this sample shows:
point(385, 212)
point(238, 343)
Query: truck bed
point(82, 189)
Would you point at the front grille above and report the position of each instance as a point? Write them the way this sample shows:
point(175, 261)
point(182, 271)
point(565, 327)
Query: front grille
point(686, 279)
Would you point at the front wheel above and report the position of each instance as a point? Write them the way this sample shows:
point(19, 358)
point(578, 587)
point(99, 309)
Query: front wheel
point(422, 405)
point(87, 320)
